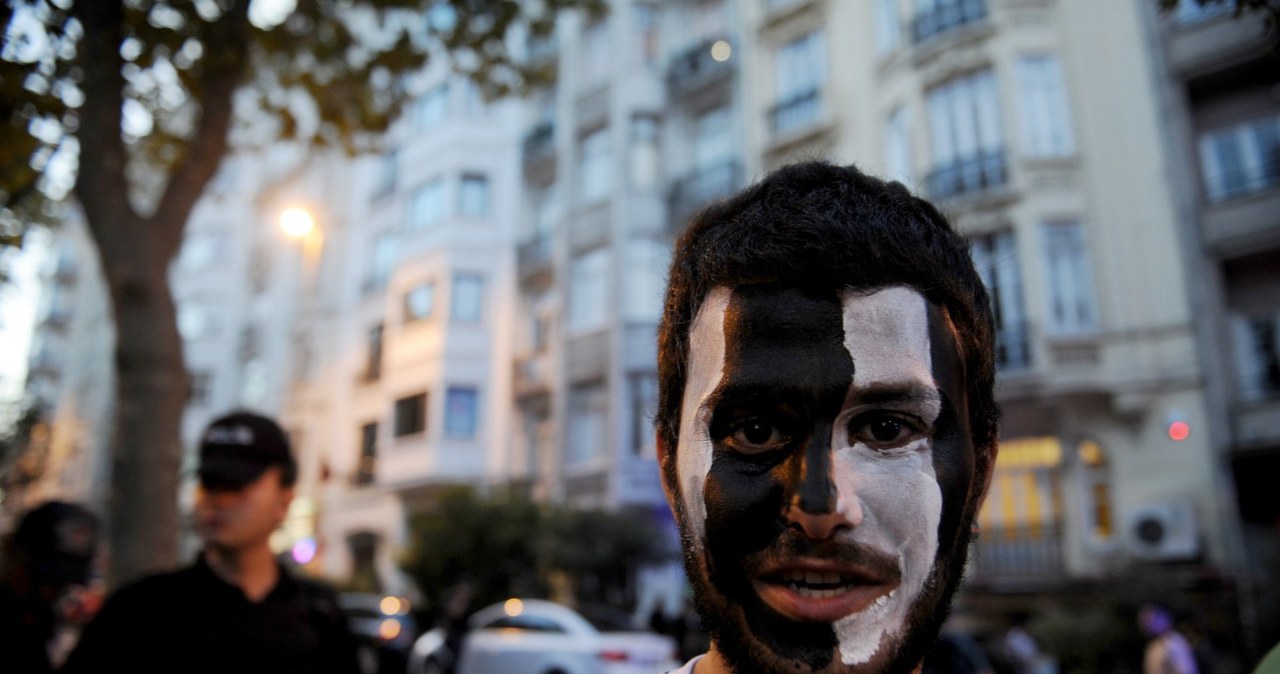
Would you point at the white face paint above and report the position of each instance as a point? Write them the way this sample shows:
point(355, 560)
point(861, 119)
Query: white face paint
point(887, 333)
point(890, 495)
point(706, 366)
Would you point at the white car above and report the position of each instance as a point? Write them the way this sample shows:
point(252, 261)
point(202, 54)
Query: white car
point(533, 636)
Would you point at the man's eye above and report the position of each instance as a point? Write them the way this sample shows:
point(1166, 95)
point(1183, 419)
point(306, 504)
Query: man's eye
point(757, 435)
point(884, 431)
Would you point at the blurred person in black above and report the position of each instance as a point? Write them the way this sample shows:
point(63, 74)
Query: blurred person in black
point(47, 564)
point(237, 608)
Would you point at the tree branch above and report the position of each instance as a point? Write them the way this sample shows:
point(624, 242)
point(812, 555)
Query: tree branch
point(101, 185)
point(226, 45)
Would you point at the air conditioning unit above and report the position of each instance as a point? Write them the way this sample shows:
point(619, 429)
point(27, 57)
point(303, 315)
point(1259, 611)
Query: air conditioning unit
point(1163, 532)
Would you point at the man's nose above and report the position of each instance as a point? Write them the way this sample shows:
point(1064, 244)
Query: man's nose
point(821, 503)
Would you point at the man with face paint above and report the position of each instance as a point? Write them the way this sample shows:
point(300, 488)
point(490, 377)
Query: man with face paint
point(826, 423)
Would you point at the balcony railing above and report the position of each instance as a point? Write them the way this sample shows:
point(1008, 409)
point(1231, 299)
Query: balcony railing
point(533, 256)
point(540, 142)
point(969, 175)
point(697, 68)
point(1013, 554)
point(798, 111)
point(694, 190)
point(945, 16)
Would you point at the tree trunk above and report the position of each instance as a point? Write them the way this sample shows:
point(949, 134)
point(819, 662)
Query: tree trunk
point(151, 377)
point(151, 385)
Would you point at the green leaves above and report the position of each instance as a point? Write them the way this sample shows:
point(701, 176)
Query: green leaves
point(506, 545)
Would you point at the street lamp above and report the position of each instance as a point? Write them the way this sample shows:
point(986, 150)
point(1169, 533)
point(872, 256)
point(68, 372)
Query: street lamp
point(297, 222)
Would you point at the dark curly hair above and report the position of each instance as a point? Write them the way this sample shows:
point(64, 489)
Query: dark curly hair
point(818, 225)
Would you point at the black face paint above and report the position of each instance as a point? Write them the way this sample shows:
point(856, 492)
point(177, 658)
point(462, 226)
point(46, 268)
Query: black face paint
point(785, 365)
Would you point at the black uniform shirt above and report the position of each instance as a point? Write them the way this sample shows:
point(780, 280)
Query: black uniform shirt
point(192, 621)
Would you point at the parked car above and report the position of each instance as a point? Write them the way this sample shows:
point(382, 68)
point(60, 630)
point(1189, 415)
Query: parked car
point(533, 636)
point(384, 628)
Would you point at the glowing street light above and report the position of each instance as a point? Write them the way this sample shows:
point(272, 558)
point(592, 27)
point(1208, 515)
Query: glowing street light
point(297, 222)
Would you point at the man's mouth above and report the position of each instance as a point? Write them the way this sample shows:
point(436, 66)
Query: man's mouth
point(822, 591)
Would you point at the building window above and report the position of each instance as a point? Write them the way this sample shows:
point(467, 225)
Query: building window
point(713, 139)
point(644, 151)
point(388, 170)
point(460, 411)
point(1044, 123)
point(996, 259)
point(968, 149)
point(897, 146)
point(373, 354)
point(382, 259)
point(467, 302)
point(589, 291)
point(1257, 349)
point(595, 166)
point(367, 469)
point(473, 195)
point(597, 54)
point(588, 414)
point(1097, 484)
point(428, 205)
point(201, 382)
point(800, 71)
point(888, 26)
point(935, 17)
point(1070, 283)
point(431, 108)
point(1241, 159)
point(646, 30)
point(644, 409)
point(411, 415)
point(419, 302)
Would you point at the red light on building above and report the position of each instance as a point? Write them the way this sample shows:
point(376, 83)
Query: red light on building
point(1179, 430)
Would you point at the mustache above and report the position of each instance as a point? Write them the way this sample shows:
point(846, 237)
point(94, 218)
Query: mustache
point(792, 546)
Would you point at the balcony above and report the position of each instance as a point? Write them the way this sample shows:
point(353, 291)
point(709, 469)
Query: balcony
point(1011, 556)
point(945, 16)
point(539, 148)
point(697, 68)
point(974, 174)
point(533, 258)
point(800, 110)
point(691, 192)
point(531, 375)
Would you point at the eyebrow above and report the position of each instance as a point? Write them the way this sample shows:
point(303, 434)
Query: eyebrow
point(890, 393)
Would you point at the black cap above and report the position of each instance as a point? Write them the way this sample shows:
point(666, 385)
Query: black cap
point(58, 539)
point(237, 448)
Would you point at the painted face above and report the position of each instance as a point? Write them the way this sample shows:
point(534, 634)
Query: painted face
point(823, 465)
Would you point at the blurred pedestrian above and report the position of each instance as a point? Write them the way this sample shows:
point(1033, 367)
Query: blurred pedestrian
point(236, 609)
point(1020, 650)
point(47, 565)
point(1168, 652)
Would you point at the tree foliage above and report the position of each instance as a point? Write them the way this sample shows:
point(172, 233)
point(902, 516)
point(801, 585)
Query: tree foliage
point(130, 107)
point(507, 545)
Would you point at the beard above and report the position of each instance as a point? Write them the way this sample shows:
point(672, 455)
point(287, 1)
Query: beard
point(754, 638)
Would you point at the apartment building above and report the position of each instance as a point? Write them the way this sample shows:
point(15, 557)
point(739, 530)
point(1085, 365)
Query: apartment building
point(1036, 126)
point(400, 382)
point(590, 263)
point(1219, 84)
